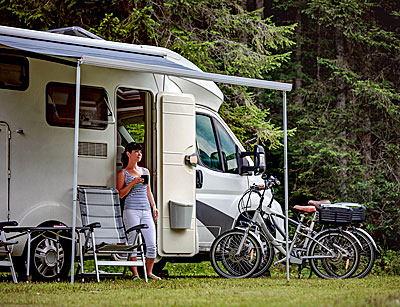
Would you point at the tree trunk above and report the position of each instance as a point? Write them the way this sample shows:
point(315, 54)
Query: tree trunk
point(341, 103)
point(298, 99)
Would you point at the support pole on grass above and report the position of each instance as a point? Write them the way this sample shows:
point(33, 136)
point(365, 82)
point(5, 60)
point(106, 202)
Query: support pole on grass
point(75, 179)
point(286, 182)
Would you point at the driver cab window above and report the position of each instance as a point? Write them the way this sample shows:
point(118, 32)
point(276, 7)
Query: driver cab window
point(206, 143)
point(228, 149)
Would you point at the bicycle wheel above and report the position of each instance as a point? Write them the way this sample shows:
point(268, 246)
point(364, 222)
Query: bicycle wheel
point(267, 258)
point(342, 258)
point(367, 253)
point(228, 262)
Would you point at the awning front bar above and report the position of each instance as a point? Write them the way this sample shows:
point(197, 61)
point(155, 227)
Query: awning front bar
point(193, 74)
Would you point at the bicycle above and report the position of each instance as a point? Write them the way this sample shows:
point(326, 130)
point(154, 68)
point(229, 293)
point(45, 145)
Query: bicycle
point(368, 246)
point(250, 247)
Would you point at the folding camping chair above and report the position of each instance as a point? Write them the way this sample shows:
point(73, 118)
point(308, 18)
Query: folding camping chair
point(7, 248)
point(101, 212)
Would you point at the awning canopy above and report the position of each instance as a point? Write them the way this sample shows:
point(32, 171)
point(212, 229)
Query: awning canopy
point(117, 55)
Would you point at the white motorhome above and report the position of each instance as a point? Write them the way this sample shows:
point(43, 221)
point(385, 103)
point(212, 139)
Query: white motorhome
point(127, 92)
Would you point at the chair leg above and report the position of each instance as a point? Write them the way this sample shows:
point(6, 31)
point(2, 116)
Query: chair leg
point(96, 267)
point(143, 257)
point(13, 274)
point(8, 250)
point(80, 263)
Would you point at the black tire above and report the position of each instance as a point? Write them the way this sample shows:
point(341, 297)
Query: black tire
point(43, 262)
point(367, 253)
point(346, 255)
point(224, 259)
point(159, 265)
point(267, 258)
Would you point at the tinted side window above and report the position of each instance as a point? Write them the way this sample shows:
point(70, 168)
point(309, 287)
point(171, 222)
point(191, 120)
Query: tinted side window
point(206, 143)
point(14, 72)
point(60, 106)
point(228, 149)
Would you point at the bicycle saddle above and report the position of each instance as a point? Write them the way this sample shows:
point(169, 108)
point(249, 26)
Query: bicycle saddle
point(316, 203)
point(305, 208)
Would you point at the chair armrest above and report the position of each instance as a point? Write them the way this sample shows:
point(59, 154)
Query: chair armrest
point(137, 227)
point(92, 226)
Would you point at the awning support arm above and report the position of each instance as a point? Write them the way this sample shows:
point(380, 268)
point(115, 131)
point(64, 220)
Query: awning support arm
point(75, 179)
point(286, 182)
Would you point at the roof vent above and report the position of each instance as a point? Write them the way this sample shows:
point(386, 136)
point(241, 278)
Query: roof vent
point(75, 31)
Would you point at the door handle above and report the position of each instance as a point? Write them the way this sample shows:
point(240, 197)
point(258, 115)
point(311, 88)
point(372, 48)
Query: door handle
point(199, 179)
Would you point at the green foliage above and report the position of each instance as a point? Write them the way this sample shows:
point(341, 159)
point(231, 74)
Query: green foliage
point(380, 197)
point(136, 131)
point(252, 126)
point(111, 28)
point(387, 263)
point(347, 109)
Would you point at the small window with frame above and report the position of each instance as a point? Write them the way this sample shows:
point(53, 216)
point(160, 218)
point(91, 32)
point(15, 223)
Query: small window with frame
point(60, 106)
point(14, 72)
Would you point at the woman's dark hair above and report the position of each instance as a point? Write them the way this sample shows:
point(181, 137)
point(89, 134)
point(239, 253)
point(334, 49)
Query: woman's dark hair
point(129, 148)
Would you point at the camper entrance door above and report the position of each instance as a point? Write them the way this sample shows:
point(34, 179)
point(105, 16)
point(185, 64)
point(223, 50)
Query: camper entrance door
point(4, 156)
point(177, 225)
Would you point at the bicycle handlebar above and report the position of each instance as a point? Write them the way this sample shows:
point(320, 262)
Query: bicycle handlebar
point(268, 183)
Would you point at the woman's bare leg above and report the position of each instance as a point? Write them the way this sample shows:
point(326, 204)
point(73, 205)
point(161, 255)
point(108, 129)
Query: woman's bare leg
point(134, 268)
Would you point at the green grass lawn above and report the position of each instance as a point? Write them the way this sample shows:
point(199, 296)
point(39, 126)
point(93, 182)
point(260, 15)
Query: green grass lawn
point(203, 290)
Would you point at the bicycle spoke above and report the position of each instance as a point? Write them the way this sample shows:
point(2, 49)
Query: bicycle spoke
point(344, 251)
point(230, 263)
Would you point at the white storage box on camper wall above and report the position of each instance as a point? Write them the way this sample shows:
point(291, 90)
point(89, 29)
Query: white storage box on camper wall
point(180, 214)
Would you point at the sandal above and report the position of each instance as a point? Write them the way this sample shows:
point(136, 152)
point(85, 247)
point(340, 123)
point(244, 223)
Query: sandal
point(154, 277)
point(136, 277)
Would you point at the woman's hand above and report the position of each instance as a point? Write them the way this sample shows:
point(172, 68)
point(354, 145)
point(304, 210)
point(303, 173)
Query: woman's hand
point(137, 180)
point(155, 211)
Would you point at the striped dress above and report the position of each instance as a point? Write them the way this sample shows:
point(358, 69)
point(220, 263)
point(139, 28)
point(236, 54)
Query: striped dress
point(137, 196)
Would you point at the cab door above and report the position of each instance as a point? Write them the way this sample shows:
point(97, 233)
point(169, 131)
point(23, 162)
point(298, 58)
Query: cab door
point(4, 171)
point(177, 178)
point(220, 185)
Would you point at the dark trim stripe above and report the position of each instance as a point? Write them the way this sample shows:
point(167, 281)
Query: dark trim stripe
point(212, 217)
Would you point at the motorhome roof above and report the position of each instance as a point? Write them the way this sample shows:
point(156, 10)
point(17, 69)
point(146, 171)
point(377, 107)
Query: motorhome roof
point(117, 55)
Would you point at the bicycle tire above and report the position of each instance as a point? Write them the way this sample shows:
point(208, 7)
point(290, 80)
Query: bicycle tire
point(268, 256)
point(367, 253)
point(224, 259)
point(346, 252)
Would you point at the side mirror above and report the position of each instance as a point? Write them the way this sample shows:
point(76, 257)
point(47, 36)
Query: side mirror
point(259, 161)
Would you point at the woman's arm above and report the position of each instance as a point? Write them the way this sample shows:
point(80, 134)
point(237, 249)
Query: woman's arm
point(124, 190)
point(151, 197)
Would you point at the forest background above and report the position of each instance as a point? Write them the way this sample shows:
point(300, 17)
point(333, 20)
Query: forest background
point(342, 57)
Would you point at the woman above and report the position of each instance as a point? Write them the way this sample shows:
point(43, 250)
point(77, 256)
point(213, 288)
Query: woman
point(138, 203)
